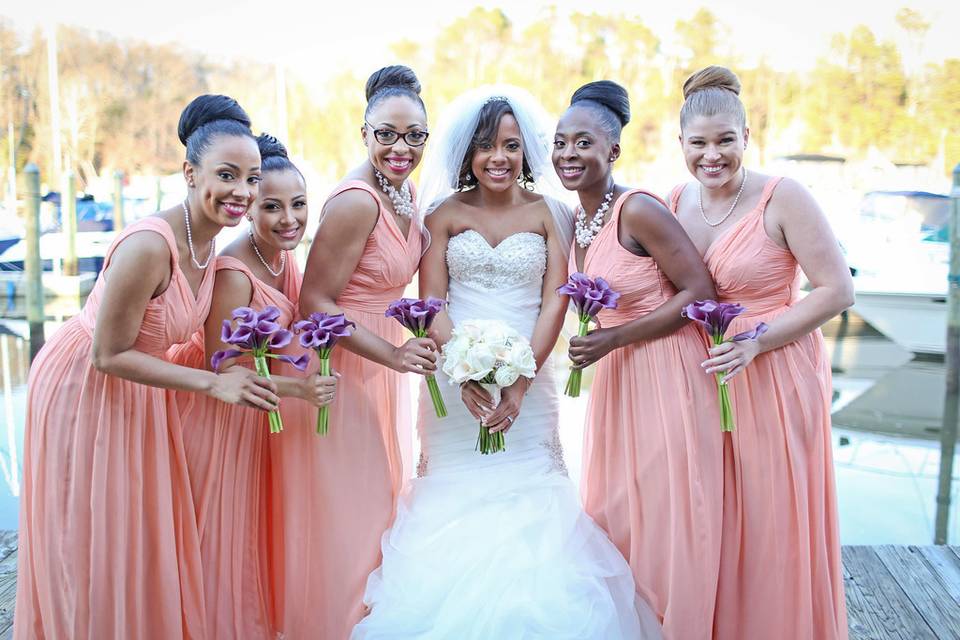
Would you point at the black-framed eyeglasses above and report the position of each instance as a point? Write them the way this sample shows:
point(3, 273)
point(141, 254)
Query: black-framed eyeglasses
point(387, 137)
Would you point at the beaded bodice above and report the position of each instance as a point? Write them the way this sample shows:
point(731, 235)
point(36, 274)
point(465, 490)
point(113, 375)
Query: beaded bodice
point(520, 258)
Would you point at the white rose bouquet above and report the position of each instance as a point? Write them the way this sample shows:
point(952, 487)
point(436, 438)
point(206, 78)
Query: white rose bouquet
point(491, 353)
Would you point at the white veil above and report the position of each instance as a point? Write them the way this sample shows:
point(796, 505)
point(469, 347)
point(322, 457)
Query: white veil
point(441, 168)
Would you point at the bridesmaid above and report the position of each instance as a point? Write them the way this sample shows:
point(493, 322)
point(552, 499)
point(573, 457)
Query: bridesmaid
point(780, 572)
point(652, 458)
point(226, 445)
point(108, 540)
point(339, 491)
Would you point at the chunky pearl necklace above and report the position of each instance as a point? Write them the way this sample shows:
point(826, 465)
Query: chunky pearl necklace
point(732, 206)
point(402, 200)
point(283, 257)
point(587, 234)
point(193, 255)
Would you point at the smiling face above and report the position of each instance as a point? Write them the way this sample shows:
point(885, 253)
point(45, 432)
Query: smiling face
point(401, 115)
point(280, 214)
point(583, 154)
point(497, 163)
point(225, 184)
point(713, 148)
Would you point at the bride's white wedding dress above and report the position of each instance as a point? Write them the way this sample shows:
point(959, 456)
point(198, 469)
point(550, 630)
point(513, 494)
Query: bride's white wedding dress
point(497, 546)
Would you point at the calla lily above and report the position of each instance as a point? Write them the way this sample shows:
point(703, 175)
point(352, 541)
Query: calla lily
point(417, 316)
point(716, 318)
point(589, 296)
point(320, 332)
point(257, 333)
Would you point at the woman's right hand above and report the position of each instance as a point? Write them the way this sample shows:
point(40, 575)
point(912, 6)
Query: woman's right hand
point(319, 390)
point(476, 399)
point(416, 355)
point(239, 385)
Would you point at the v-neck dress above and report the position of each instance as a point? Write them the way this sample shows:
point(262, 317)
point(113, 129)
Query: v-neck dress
point(338, 492)
point(108, 539)
point(227, 456)
point(780, 570)
point(652, 460)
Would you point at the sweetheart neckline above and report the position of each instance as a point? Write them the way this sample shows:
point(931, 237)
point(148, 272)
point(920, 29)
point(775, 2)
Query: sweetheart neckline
point(499, 244)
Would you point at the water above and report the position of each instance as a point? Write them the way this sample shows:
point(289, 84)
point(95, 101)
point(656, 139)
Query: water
point(886, 424)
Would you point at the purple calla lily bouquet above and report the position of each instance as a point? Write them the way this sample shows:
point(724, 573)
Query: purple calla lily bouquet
point(716, 318)
point(257, 333)
point(589, 296)
point(320, 332)
point(417, 316)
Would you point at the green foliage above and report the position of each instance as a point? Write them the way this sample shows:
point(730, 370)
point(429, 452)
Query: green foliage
point(120, 100)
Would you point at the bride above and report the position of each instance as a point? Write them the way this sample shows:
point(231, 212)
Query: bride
point(497, 546)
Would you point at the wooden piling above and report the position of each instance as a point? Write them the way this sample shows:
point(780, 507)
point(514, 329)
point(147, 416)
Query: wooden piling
point(68, 218)
point(33, 264)
point(951, 401)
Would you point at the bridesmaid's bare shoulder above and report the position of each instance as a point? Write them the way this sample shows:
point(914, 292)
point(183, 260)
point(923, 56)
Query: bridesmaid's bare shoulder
point(353, 212)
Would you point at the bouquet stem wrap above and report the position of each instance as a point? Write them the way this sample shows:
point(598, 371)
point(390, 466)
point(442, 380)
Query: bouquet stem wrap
point(491, 442)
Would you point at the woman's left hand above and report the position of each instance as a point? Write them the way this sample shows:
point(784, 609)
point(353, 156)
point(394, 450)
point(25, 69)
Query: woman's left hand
point(503, 417)
point(586, 350)
point(731, 357)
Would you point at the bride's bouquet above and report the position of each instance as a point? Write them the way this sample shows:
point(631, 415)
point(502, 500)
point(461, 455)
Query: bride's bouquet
point(491, 353)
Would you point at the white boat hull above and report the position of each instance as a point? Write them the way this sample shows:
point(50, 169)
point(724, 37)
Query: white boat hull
point(915, 321)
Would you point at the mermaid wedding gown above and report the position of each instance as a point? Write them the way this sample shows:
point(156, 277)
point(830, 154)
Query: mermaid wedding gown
point(497, 546)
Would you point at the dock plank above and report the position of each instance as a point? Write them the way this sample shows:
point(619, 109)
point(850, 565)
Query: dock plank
point(893, 592)
point(877, 607)
point(923, 586)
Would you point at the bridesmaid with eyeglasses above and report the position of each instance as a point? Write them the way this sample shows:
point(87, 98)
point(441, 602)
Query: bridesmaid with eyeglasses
point(338, 492)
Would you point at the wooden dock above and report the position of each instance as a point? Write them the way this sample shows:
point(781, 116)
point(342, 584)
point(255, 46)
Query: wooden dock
point(893, 592)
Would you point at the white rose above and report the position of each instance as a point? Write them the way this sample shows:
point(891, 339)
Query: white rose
point(522, 359)
point(506, 375)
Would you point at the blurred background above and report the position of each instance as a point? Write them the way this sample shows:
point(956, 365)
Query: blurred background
point(863, 107)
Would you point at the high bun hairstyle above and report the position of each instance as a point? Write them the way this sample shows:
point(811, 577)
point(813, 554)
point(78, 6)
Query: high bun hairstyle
point(610, 102)
point(711, 91)
point(395, 80)
point(208, 116)
point(273, 155)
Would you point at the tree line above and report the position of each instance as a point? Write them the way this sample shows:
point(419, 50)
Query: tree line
point(120, 99)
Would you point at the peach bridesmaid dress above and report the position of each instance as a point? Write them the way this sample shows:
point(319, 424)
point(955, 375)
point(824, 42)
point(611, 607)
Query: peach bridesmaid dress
point(228, 464)
point(339, 491)
point(652, 461)
point(108, 539)
point(780, 570)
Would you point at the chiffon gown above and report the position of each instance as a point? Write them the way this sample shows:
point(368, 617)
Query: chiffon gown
point(652, 460)
point(497, 546)
point(338, 491)
point(227, 456)
point(780, 570)
point(108, 540)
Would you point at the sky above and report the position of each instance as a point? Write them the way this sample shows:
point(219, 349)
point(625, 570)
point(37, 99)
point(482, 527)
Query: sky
point(317, 39)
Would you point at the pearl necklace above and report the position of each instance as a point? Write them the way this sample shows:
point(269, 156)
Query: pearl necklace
point(402, 200)
point(283, 257)
point(732, 206)
point(193, 254)
point(587, 234)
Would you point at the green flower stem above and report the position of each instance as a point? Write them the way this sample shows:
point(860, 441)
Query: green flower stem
point(576, 375)
point(260, 363)
point(723, 392)
point(323, 414)
point(438, 406)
